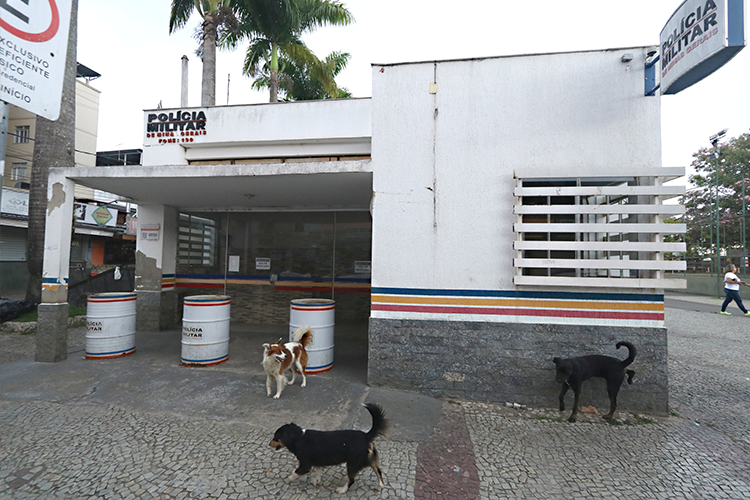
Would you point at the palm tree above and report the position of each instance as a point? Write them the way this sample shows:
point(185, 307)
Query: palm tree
point(217, 15)
point(304, 82)
point(275, 27)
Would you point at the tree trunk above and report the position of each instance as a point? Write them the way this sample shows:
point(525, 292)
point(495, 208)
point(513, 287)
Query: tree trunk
point(208, 92)
point(274, 69)
point(274, 86)
point(54, 146)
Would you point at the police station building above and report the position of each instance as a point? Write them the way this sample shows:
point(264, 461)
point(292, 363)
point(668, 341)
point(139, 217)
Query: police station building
point(479, 216)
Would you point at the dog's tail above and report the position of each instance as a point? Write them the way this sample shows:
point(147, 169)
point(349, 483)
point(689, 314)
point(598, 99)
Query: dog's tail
point(379, 423)
point(631, 355)
point(303, 335)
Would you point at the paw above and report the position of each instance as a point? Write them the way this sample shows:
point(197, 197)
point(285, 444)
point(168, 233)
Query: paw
point(562, 406)
point(277, 396)
point(315, 481)
point(289, 382)
point(607, 417)
point(572, 419)
point(304, 384)
point(342, 489)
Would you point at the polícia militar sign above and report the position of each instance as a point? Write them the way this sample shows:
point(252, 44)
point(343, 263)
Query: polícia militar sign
point(174, 126)
point(699, 38)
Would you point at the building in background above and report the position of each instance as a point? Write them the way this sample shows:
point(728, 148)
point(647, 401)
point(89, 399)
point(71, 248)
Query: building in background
point(101, 238)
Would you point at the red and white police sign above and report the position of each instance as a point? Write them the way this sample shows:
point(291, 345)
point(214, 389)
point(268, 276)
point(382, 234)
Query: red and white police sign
point(33, 46)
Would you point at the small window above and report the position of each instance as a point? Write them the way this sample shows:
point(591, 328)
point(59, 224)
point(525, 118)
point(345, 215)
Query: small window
point(18, 172)
point(22, 134)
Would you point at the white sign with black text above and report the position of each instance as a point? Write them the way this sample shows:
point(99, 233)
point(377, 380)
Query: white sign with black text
point(33, 48)
point(150, 232)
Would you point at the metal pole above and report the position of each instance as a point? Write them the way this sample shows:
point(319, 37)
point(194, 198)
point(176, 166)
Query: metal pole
point(718, 240)
point(744, 234)
point(4, 110)
point(715, 142)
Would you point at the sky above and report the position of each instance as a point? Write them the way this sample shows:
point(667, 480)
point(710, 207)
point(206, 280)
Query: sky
point(129, 44)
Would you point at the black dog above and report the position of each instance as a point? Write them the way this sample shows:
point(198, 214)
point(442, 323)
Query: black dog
point(321, 448)
point(571, 372)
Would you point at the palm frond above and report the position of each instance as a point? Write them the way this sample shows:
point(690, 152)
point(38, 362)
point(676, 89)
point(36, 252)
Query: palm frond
point(180, 14)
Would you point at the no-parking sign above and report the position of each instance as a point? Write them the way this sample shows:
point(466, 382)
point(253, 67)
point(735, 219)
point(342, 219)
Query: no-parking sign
point(33, 46)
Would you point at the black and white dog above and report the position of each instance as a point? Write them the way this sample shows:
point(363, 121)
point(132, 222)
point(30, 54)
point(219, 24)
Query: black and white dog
point(571, 372)
point(321, 448)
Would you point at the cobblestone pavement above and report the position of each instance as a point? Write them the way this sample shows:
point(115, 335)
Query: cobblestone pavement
point(73, 449)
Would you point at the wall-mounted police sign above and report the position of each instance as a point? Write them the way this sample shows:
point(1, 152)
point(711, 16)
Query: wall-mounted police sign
point(699, 38)
point(174, 126)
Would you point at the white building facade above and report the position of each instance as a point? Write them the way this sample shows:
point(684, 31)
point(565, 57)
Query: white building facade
point(483, 215)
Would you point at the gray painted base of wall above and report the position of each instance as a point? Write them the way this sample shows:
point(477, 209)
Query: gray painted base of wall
point(51, 333)
point(509, 362)
point(156, 311)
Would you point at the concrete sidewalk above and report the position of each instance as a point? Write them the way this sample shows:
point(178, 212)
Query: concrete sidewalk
point(143, 427)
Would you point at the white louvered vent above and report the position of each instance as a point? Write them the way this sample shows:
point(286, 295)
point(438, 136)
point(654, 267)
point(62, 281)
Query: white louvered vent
point(598, 231)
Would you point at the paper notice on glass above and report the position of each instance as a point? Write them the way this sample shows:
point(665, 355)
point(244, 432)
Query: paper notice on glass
point(234, 263)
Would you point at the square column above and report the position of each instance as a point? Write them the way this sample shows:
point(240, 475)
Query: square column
point(52, 323)
point(155, 263)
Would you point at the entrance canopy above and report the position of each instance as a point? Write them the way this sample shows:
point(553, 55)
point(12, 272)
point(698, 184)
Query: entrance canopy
point(333, 185)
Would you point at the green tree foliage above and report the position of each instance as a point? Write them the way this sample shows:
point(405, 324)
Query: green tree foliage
point(700, 202)
point(274, 29)
point(303, 81)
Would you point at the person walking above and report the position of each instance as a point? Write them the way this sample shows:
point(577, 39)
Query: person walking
point(732, 290)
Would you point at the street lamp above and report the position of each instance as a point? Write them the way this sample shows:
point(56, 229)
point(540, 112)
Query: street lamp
point(715, 142)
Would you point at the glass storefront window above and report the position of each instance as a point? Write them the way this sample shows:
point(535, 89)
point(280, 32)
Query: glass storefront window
point(285, 244)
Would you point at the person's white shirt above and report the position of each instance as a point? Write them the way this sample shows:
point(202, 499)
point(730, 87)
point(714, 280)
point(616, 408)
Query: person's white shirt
point(731, 286)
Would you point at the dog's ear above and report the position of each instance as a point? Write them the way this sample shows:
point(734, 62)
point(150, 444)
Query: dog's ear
point(556, 360)
point(266, 346)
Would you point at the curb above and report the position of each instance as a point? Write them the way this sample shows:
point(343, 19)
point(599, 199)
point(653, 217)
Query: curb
point(29, 327)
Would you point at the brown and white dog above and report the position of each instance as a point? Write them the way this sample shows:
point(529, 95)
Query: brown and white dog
point(278, 357)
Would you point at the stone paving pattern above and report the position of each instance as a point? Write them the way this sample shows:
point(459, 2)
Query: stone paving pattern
point(75, 450)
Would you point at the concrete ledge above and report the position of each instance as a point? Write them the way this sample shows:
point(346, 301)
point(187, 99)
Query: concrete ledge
point(29, 327)
point(507, 362)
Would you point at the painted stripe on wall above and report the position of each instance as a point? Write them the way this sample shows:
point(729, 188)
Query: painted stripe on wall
point(610, 309)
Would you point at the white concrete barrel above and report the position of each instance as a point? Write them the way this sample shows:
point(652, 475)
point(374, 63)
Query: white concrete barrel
point(205, 329)
point(110, 325)
point(318, 314)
